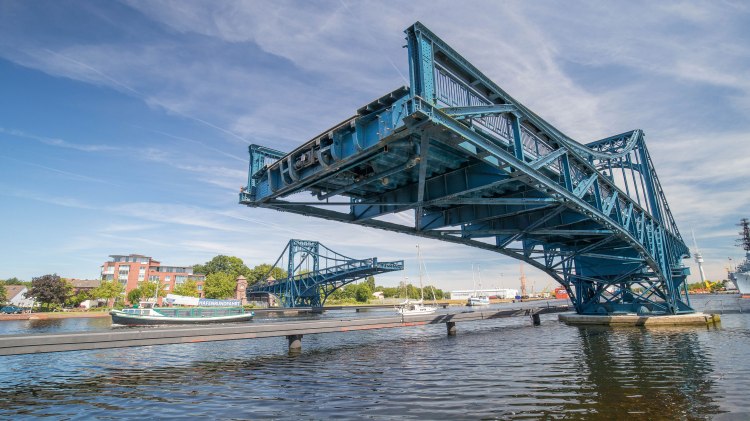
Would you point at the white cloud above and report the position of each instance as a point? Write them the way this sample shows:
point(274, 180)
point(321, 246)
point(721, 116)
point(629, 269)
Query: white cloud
point(278, 73)
point(52, 141)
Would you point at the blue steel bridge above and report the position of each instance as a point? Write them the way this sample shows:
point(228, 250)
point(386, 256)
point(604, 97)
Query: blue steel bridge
point(453, 157)
point(313, 272)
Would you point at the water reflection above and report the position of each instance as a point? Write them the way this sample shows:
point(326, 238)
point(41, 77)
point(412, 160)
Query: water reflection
point(649, 373)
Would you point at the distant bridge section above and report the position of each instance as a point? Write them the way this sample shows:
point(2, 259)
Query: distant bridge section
point(455, 158)
point(314, 271)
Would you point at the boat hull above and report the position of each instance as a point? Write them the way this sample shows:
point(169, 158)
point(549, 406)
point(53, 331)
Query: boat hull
point(121, 318)
point(477, 301)
point(742, 280)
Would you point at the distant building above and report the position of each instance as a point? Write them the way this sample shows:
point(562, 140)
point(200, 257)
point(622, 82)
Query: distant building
point(133, 269)
point(501, 293)
point(16, 295)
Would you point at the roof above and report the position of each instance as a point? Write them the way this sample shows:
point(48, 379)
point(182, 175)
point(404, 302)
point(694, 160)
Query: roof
point(11, 291)
point(84, 283)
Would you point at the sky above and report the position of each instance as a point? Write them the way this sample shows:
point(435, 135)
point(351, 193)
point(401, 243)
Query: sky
point(124, 125)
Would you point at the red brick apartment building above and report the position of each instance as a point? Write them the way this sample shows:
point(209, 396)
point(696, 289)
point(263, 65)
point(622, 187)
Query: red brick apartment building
point(133, 269)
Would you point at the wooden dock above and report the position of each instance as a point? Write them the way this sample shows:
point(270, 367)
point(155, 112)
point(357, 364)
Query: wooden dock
point(293, 330)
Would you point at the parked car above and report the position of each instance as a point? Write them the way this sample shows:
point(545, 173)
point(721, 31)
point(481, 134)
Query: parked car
point(11, 310)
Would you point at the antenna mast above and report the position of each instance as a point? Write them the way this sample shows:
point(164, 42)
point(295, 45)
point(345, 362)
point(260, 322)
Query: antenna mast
point(698, 258)
point(523, 282)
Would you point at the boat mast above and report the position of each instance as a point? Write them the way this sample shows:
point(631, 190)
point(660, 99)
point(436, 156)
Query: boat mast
point(744, 240)
point(473, 280)
point(479, 277)
point(419, 263)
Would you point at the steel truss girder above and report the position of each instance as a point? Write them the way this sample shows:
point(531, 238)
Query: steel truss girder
point(481, 165)
point(312, 288)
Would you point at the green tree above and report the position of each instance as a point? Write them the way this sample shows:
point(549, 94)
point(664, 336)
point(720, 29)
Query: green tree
point(49, 289)
point(370, 281)
point(363, 292)
point(148, 290)
point(188, 288)
point(3, 293)
point(76, 299)
point(108, 290)
point(15, 281)
point(260, 273)
point(230, 265)
point(135, 295)
point(219, 285)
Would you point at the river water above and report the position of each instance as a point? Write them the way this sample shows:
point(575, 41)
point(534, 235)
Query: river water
point(497, 369)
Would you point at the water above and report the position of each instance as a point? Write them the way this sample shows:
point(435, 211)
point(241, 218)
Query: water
point(499, 369)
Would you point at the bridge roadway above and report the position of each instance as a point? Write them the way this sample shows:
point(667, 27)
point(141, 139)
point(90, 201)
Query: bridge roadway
point(293, 330)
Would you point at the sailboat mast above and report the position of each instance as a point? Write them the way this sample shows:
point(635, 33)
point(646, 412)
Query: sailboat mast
point(473, 279)
point(419, 263)
point(479, 276)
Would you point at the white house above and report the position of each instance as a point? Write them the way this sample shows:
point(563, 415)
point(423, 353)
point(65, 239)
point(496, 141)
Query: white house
point(16, 297)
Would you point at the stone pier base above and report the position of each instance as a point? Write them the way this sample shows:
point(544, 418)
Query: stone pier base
point(694, 319)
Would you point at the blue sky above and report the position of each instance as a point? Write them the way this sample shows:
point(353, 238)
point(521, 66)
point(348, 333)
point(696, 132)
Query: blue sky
point(124, 125)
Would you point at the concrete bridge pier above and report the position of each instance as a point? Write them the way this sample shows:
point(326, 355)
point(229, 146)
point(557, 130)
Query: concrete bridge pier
point(535, 319)
point(451, 327)
point(295, 342)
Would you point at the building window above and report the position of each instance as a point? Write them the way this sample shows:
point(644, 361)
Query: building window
point(153, 278)
point(180, 279)
point(166, 287)
point(200, 287)
point(167, 278)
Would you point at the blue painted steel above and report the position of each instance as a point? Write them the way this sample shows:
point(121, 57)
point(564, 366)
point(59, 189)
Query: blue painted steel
point(476, 167)
point(308, 283)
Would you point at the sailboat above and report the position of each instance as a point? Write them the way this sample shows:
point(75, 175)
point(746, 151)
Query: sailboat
point(478, 298)
point(411, 308)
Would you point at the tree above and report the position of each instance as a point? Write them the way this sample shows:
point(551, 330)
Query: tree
point(135, 295)
point(148, 290)
point(363, 292)
point(230, 265)
point(77, 299)
point(109, 290)
point(188, 289)
point(3, 293)
point(370, 281)
point(14, 281)
point(260, 273)
point(219, 285)
point(49, 289)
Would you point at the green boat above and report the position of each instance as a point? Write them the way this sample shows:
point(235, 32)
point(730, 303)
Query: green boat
point(179, 315)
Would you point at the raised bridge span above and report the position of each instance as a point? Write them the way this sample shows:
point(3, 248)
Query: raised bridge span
point(313, 272)
point(468, 164)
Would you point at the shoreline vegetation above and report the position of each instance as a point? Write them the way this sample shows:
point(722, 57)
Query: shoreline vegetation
point(100, 313)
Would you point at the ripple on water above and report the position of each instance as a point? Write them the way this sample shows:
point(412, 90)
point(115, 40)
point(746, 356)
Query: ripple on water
point(493, 369)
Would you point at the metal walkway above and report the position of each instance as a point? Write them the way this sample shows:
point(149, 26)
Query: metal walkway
point(128, 337)
point(313, 272)
point(465, 162)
